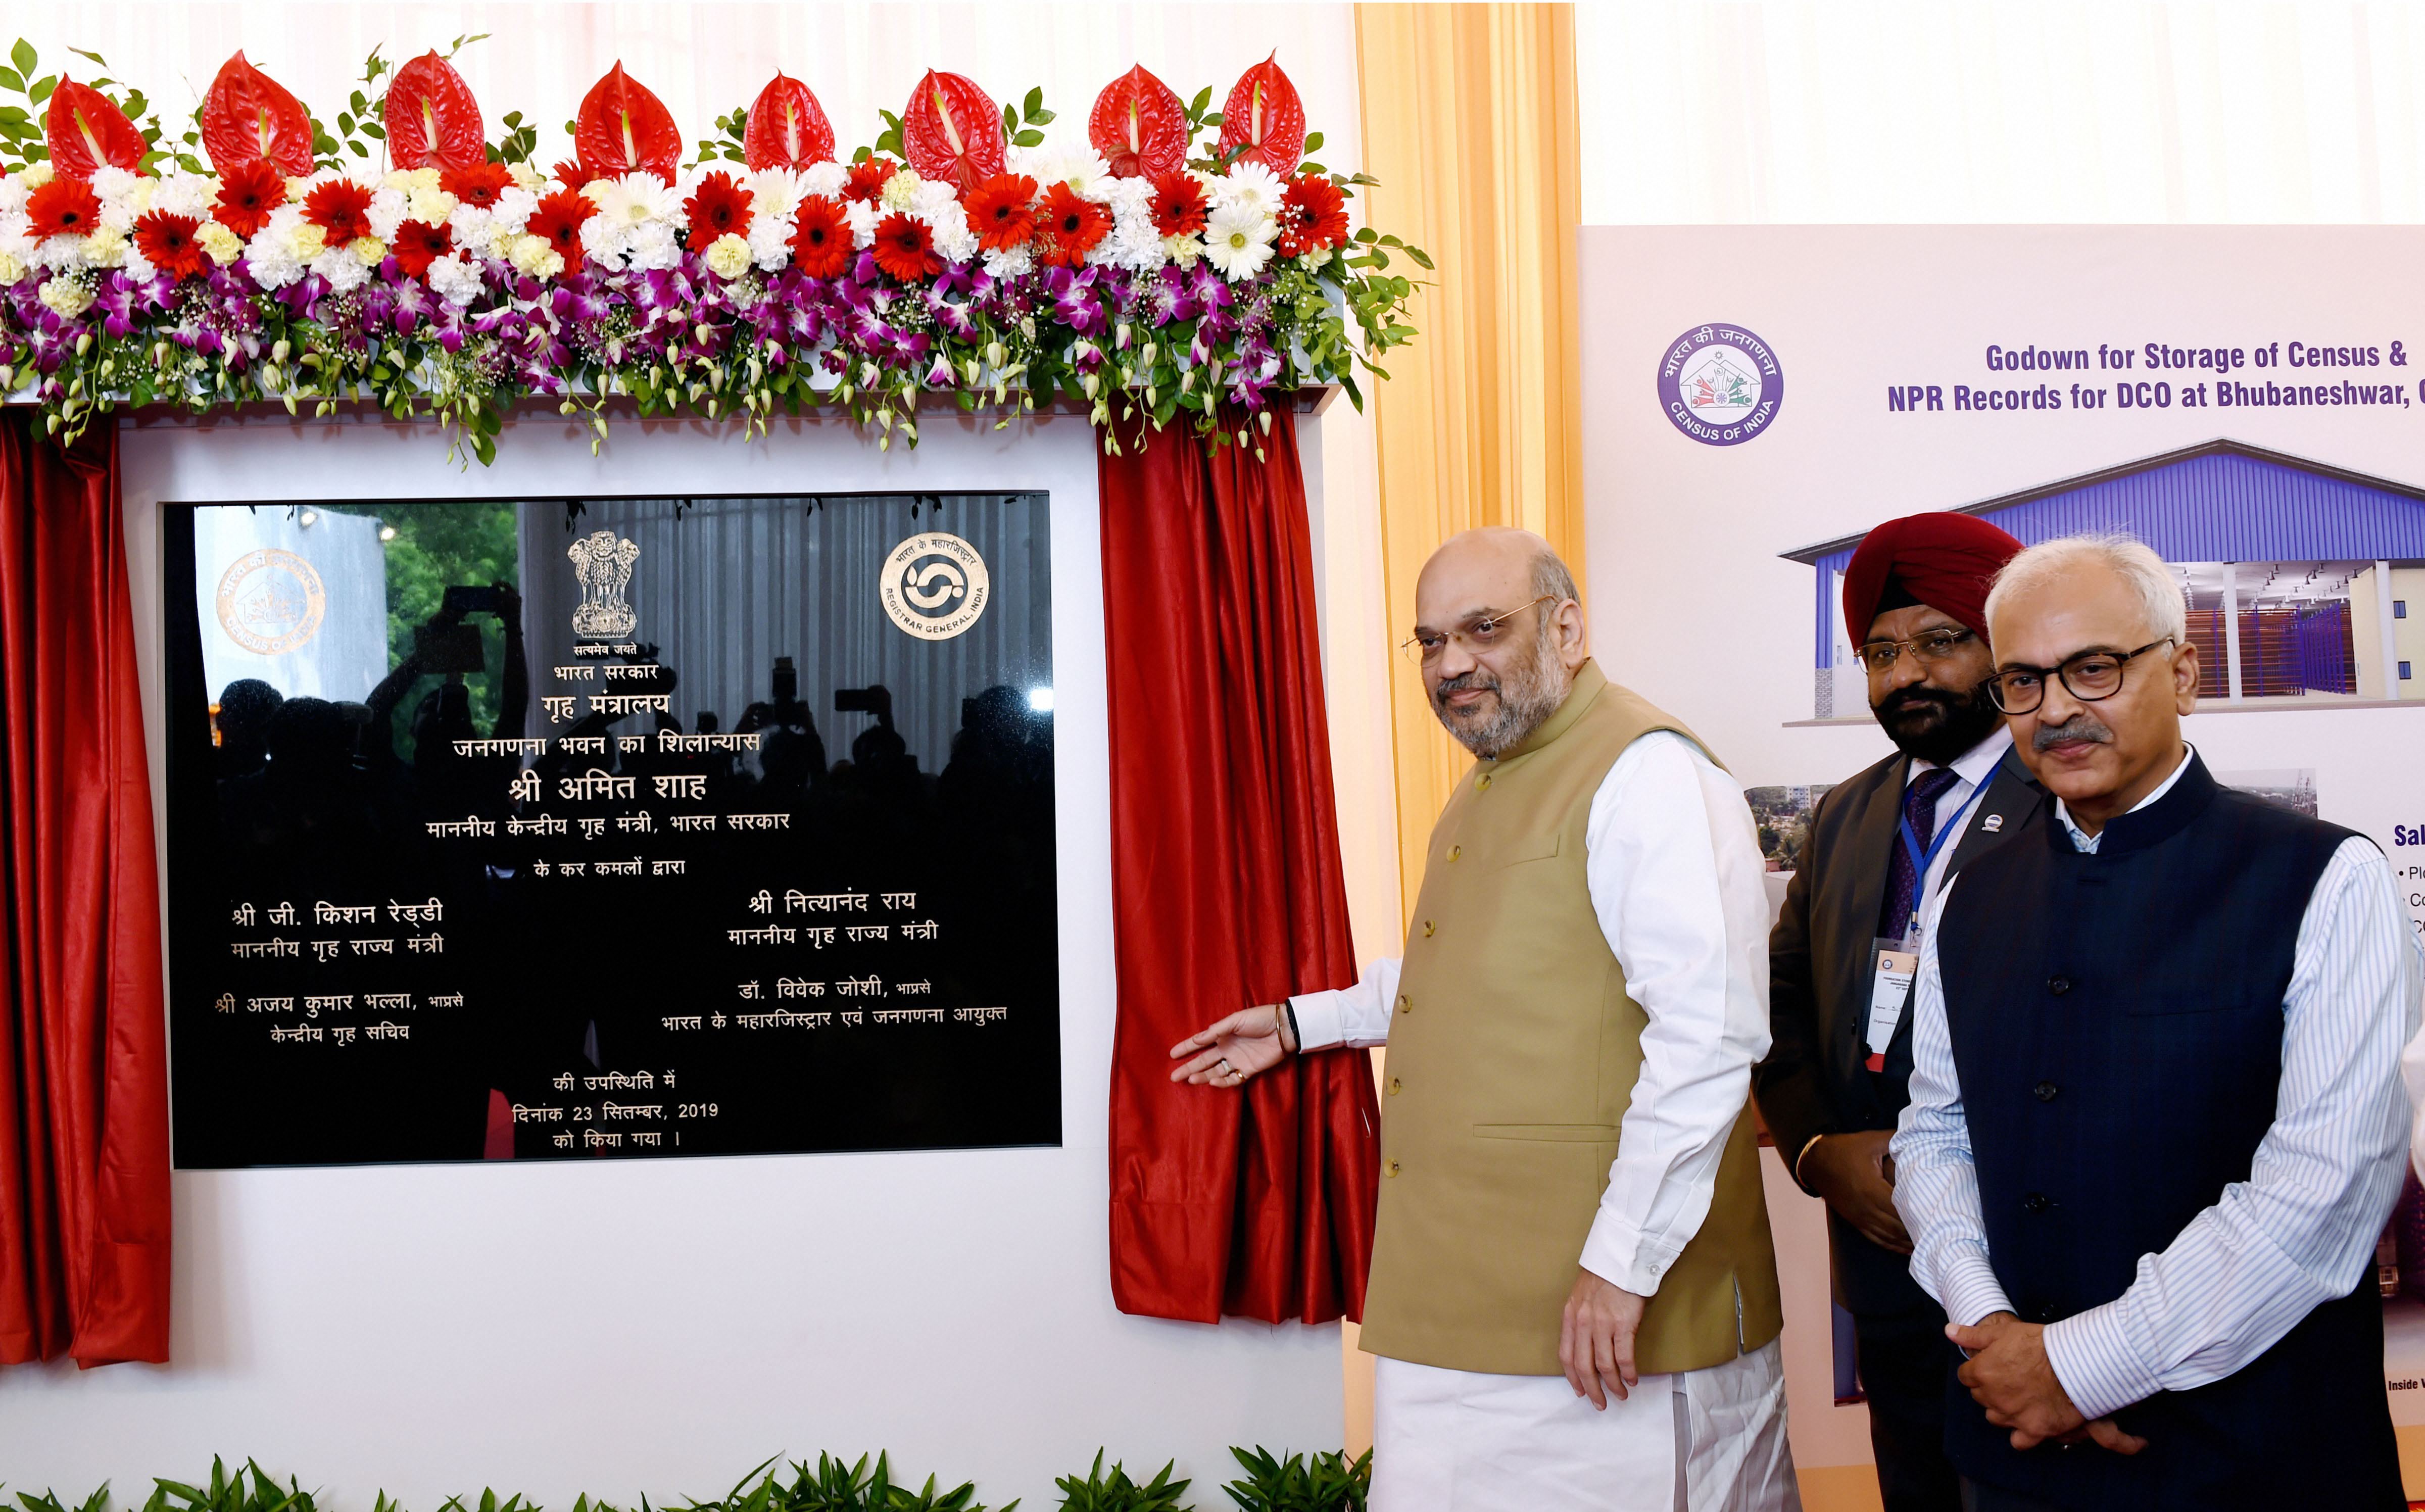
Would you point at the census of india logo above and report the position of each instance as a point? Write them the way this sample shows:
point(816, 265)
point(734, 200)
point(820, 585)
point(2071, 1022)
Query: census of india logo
point(270, 601)
point(1720, 385)
point(934, 586)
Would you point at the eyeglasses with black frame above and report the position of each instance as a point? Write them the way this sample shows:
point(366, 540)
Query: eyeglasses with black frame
point(1927, 647)
point(2090, 676)
point(1477, 635)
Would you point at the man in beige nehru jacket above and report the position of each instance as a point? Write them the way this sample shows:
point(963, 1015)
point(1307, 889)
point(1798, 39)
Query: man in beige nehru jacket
point(1573, 1294)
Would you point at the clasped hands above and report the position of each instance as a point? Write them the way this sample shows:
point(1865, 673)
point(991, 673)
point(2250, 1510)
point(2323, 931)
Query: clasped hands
point(2009, 1374)
point(1228, 1052)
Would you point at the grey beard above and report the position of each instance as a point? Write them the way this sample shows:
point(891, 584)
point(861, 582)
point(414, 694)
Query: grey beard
point(1526, 698)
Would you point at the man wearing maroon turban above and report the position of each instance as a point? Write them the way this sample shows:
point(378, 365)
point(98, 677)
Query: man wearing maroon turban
point(1841, 956)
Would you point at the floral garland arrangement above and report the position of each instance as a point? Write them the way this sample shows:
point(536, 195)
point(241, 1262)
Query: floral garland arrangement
point(1148, 275)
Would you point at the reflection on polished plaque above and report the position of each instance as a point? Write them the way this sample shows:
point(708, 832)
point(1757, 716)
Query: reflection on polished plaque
point(657, 827)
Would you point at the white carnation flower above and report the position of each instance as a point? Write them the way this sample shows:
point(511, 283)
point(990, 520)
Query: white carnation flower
point(106, 246)
point(1239, 241)
point(14, 191)
point(530, 178)
point(430, 206)
point(16, 235)
point(1183, 249)
point(456, 278)
point(602, 240)
point(651, 245)
point(954, 241)
point(863, 215)
point(387, 213)
point(537, 257)
point(513, 208)
point(770, 242)
point(68, 296)
point(342, 269)
point(1250, 187)
point(186, 194)
point(901, 189)
point(470, 225)
point(729, 256)
point(826, 178)
point(1017, 261)
point(66, 254)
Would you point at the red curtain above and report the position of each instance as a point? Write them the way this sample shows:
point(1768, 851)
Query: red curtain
point(84, 1089)
point(1226, 892)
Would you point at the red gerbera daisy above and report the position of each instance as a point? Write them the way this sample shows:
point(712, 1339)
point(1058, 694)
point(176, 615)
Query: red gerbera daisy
point(718, 207)
point(1001, 211)
point(478, 186)
point(1072, 226)
point(64, 207)
point(558, 218)
point(905, 248)
point(867, 179)
point(168, 244)
point(248, 191)
point(1178, 204)
point(417, 244)
point(1313, 214)
point(341, 208)
point(820, 236)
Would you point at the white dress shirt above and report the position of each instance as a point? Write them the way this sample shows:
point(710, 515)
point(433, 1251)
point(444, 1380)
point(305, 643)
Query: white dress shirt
point(1972, 769)
point(2295, 1234)
point(1675, 873)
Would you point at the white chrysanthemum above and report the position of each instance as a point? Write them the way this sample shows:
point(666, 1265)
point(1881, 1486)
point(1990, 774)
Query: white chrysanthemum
point(773, 194)
point(513, 208)
point(106, 247)
point(826, 178)
point(863, 215)
point(1016, 262)
point(634, 199)
point(1250, 186)
point(901, 189)
point(342, 269)
point(68, 296)
point(1078, 165)
point(1239, 241)
point(729, 256)
point(457, 279)
point(430, 206)
point(222, 244)
point(770, 242)
point(186, 194)
point(387, 213)
point(651, 246)
point(537, 256)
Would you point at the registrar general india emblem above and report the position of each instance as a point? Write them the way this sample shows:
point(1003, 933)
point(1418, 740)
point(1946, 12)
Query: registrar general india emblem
point(603, 562)
point(270, 601)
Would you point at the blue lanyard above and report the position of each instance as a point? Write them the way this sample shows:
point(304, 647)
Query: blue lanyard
point(1921, 859)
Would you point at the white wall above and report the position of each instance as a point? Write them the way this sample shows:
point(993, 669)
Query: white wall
point(659, 1326)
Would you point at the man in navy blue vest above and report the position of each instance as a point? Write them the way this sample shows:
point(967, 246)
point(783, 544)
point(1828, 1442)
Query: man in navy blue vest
point(1882, 843)
point(2156, 1122)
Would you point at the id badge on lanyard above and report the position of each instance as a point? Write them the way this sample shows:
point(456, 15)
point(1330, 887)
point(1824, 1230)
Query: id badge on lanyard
point(1894, 964)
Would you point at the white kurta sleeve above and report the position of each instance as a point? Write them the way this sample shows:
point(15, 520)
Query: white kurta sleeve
point(1357, 1015)
point(1674, 867)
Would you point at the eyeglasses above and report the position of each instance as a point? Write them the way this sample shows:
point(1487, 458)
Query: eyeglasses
point(1477, 635)
point(2090, 676)
point(1928, 645)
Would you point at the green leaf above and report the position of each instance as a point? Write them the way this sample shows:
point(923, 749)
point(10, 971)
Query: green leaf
point(23, 56)
point(1029, 138)
point(1042, 117)
point(10, 80)
point(42, 88)
point(1009, 118)
point(1313, 141)
point(1422, 259)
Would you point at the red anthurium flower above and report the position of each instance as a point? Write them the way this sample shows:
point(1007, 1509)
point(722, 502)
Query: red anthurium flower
point(63, 207)
point(341, 208)
point(1072, 226)
point(718, 207)
point(867, 179)
point(1313, 214)
point(248, 191)
point(951, 130)
point(787, 127)
point(1001, 211)
point(478, 186)
point(417, 244)
point(249, 116)
point(624, 129)
point(558, 218)
point(905, 248)
point(1178, 204)
point(87, 131)
point(166, 242)
point(1139, 126)
point(1265, 118)
point(432, 121)
point(820, 236)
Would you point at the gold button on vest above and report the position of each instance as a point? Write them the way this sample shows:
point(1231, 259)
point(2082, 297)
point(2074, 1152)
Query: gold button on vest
point(1527, 1052)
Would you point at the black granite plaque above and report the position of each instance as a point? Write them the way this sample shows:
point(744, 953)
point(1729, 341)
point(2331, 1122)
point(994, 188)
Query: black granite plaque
point(575, 829)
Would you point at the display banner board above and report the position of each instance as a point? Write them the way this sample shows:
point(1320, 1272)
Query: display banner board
point(2248, 400)
point(671, 826)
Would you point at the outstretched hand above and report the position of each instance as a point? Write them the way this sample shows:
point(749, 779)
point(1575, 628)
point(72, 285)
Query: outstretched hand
point(1228, 1052)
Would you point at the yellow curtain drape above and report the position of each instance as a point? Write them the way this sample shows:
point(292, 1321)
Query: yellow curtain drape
point(1469, 125)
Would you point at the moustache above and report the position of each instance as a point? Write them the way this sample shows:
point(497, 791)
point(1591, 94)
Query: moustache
point(1910, 699)
point(1476, 681)
point(2079, 727)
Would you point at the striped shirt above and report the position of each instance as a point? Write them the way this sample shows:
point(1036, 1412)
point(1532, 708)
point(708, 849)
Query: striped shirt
point(2296, 1234)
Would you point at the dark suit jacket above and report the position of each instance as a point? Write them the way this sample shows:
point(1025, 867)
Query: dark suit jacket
point(1814, 1081)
